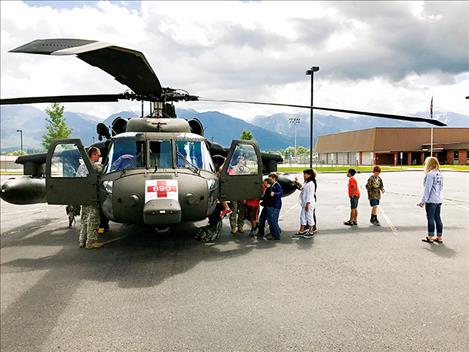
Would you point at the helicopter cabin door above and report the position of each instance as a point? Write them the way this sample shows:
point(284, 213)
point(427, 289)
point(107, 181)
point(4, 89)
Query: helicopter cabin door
point(70, 178)
point(241, 174)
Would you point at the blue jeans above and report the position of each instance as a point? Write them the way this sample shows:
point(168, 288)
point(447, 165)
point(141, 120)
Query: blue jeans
point(433, 217)
point(274, 228)
point(266, 215)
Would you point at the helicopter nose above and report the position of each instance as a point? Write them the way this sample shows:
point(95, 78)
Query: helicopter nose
point(162, 212)
point(190, 198)
point(134, 200)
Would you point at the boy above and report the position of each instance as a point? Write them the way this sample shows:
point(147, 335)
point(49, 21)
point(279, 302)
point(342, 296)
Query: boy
point(276, 193)
point(354, 195)
point(267, 206)
point(375, 187)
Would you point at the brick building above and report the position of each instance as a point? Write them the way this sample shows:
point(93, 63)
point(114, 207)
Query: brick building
point(393, 146)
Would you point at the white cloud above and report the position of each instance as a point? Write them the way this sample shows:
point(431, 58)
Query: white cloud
point(387, 58)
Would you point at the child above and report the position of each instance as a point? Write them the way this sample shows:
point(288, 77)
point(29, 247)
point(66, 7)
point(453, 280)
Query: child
point(251, 212)
point(375, 187)
point(307, 204)
point(276, 194)
point(354, 195)
point(267, 204)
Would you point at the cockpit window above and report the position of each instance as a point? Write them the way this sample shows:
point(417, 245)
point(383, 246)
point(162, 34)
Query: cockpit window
point(125, 154)
point(194, 153)
point(161, 156)
point(243, 161)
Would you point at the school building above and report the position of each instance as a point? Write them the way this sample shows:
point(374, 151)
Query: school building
point(393, 146)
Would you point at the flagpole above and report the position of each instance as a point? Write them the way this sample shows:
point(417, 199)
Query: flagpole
point(431, 130)
point(431, 142)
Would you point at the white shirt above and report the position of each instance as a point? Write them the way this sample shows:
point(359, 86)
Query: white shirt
point(307, 194)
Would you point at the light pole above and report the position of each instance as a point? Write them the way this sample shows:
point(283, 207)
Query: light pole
point(295, 121)
point(21, 137)
point(310, 72)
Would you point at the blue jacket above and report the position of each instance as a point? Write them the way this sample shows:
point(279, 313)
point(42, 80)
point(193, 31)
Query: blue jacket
point(278, 192)
point(433, 187)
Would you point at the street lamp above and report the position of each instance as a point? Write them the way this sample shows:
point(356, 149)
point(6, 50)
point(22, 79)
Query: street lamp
point(310, 72)
point(21, 136)
point(295, 121)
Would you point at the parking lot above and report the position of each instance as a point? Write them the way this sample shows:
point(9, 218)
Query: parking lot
point(364, 288)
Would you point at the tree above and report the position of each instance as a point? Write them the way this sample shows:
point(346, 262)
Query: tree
point(302, 150)
point(246, 136)
point(16, 153)
point(56, 125)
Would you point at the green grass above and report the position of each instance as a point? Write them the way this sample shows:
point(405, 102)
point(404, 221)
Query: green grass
point(3, 172)
point(285, 168)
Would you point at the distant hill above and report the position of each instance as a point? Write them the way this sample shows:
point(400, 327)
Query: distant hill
point(329, 124)
point(32, 122)
point(272, 132)
point(224, 128)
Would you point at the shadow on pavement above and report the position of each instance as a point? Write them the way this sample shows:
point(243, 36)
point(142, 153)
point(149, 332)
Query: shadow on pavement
point(140, 260)
point(441, 250)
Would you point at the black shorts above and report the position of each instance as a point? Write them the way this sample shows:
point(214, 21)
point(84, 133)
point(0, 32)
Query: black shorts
point(251, 212)
point(354, 202)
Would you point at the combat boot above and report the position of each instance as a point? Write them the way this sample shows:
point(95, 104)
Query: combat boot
point(94, 245)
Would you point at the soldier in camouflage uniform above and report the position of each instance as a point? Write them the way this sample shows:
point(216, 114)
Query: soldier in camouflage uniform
point(237, 216)
point(90, 214)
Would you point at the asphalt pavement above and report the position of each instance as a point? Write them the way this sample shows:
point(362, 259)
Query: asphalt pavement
point(365, 288)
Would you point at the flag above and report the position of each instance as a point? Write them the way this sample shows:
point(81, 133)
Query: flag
point(431, 108)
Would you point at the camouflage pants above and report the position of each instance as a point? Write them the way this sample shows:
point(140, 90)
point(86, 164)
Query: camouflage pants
point(237, 216)
point(90, 218)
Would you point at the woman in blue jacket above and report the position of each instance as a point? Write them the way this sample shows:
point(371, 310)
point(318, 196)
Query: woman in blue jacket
point(432, 199)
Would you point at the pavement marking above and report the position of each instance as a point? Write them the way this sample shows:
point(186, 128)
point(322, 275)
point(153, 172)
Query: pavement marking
point(449, 201)
point(115, 239)
point(388, 221)
point(288, 210)
point(456, 203)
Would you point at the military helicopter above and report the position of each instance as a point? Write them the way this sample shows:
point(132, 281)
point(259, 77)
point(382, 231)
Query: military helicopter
point(158, 169)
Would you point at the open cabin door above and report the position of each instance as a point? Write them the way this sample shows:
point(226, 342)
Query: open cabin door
point(70, 178)
point(241, 175)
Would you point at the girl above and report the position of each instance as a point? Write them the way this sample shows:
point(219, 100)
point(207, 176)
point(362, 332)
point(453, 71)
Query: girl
point(307, 203)
point(432, 199)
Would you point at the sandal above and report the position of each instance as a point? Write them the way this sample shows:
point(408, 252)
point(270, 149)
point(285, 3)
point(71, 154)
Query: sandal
point(427, 239)
point(348, 223)
point(438, 240)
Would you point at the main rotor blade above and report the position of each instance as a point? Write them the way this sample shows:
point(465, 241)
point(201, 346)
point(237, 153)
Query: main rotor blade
point(65, 99)
point(127, 66)
point(367, 113)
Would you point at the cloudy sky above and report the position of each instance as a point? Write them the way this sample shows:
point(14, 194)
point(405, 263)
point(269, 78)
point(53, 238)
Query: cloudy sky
point(376, 56)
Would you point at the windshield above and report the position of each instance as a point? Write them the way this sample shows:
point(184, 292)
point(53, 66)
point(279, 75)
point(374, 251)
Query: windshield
point(125, 154)
point(161, 155)
point(194, 153)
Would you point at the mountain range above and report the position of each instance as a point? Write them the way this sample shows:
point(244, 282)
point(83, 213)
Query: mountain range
point(273, 132)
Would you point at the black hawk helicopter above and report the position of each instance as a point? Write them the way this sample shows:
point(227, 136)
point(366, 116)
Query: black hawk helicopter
point(158, 169)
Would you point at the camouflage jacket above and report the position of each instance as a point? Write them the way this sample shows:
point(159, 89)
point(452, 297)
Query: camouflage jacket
point(374, 186)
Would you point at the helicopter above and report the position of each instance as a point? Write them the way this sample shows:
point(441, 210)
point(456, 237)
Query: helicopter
point(158, 169)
